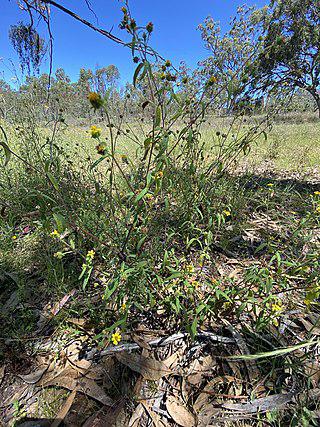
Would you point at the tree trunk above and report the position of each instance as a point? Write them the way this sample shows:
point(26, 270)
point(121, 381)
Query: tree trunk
point(316, 97)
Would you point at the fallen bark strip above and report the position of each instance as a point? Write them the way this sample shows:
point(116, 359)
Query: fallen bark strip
point(160, 342)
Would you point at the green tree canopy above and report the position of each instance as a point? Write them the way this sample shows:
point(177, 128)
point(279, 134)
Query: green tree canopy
point(291, 54)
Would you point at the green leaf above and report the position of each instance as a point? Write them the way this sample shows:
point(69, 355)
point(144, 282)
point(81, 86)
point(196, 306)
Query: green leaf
point(275, 353)
point(53, 180)
point(86, 279)
point(136, 73)
point(7, 152)
point(157, 120)
point(133, 44)
point(193, 328)
point(140, 243)
point(60, 221)
point(141, 194)
point(95, 164)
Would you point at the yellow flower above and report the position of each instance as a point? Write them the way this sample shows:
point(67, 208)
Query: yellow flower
point(14, 237)
point(158, 175)
point(123, 307)
point(276, 308)
point(124, 158)
point(90, 255)
point(195, 284)
point(95, 131)
point(95, 100)
point(270, 184)
point(189, 268)
point(116, 338)
point(317, 193)
point(58, 255)
point(227, 213)
point(212, 80)
point(55, 233)
point(318, 209)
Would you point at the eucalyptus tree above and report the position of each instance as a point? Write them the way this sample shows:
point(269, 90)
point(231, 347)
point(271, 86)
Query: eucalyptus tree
point(231, 55)
point(291, 47)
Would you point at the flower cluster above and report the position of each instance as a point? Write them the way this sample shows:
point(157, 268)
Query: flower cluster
point(189, 268)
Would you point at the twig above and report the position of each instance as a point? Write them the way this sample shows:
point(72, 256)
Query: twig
point(156, 342)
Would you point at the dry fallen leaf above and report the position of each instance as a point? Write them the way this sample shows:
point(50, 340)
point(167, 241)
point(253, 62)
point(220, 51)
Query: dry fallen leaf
point(262, 404)
point(140, 340)
point(136, 416)
point(35, 376)
point(69, 379)
point(204, 396)
point(156, 419)
point(179, 413)
point(2, 372)
point(64, 410)
point(149, 368)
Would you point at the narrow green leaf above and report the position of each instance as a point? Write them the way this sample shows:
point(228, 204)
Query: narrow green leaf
point(157, 120)
point(136, 73)
point(193, 328)
point(60, 221)
point(140, 243)
point(95, 164)
point(275, 353)
point(141, 194)
point(7, 152)
point(53, 180)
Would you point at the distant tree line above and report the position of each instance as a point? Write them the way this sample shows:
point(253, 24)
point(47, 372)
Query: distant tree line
point(267, 55)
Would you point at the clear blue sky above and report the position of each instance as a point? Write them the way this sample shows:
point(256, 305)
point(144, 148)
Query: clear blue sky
point(175, 32)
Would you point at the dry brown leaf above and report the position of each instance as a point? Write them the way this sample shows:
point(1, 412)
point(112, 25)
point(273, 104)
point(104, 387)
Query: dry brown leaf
point(89, 387)
point(69, 379)
point(179, 413)
point(149, 368)
point(310, 327)
point(19, 395)
point(51, 375)
point(64, 410)
point(136, 416)
point(2, 372)
point(58, 306)
point(204, 396)
point(35, 376)
point(156, 419)
point(262, 404)
point(207, 413)
point(138, 339)
point(77, 322)
point(199, 368)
